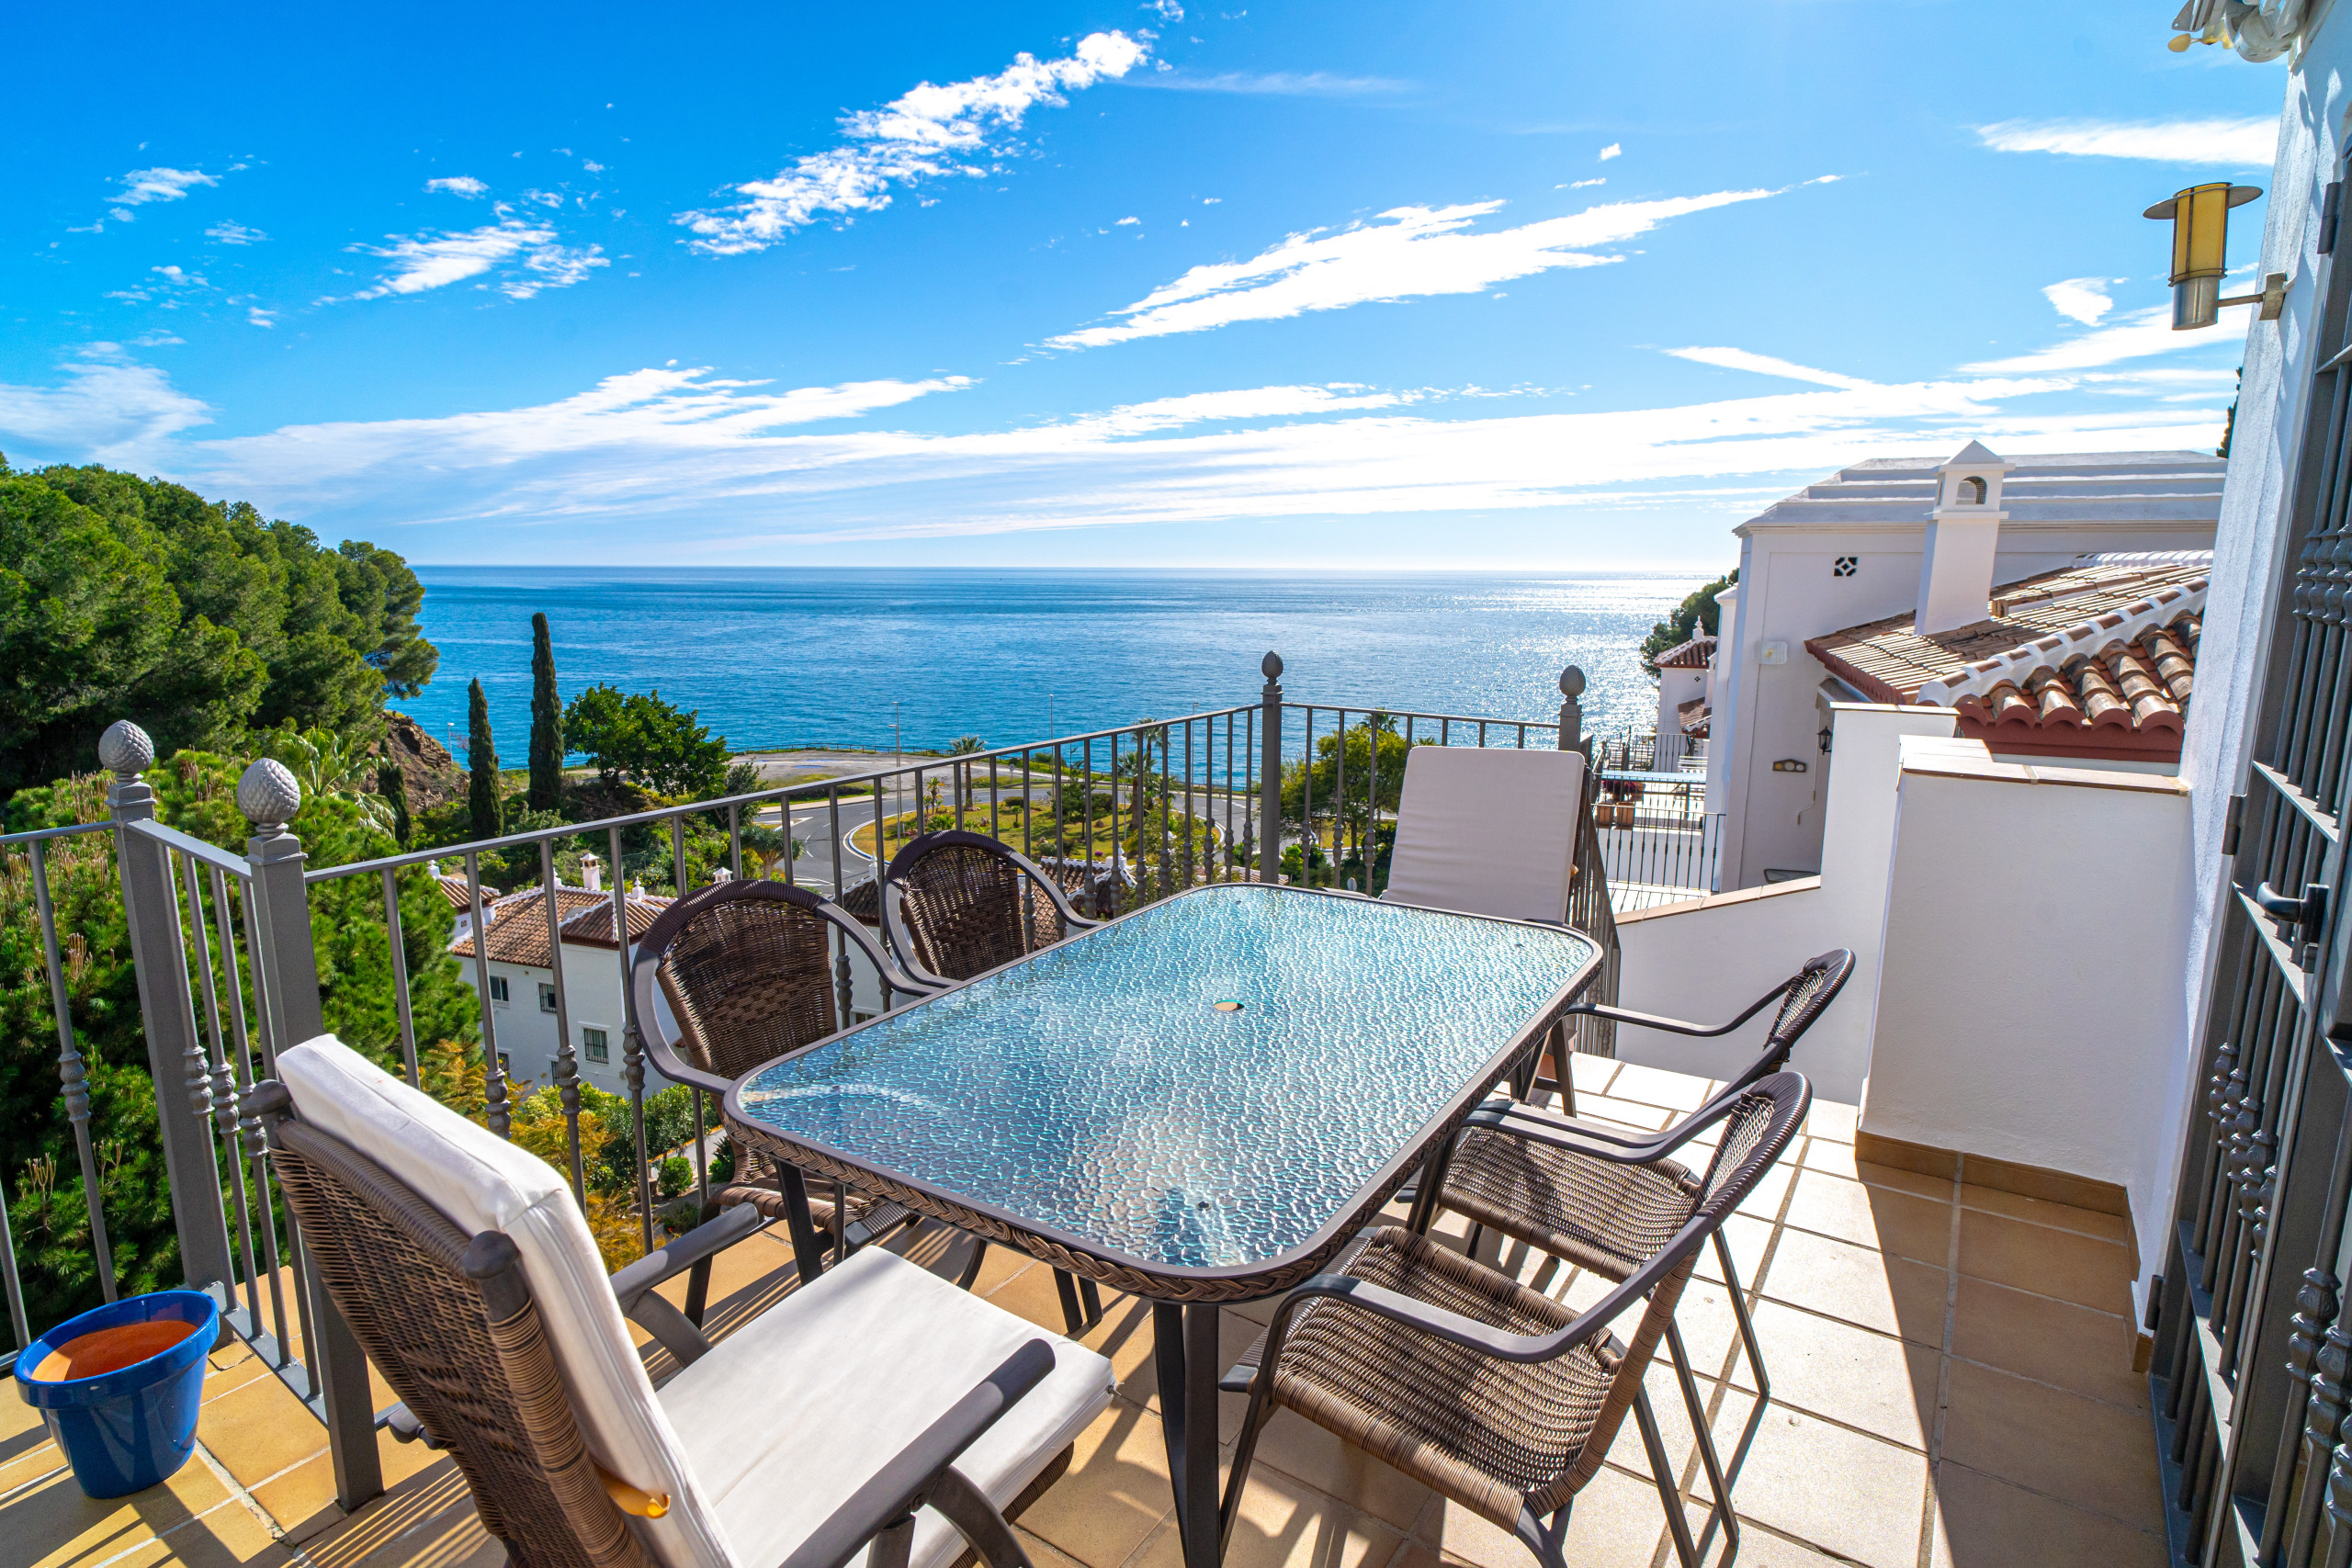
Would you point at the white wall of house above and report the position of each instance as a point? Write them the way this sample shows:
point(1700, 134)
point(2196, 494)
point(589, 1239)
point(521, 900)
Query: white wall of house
point(527, 1033)
point(1706, 961)
point(2028, 1005)
point(1676, 687)
point(1767, 702)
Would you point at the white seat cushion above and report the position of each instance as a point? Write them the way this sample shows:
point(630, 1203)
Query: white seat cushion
point(1488, 830)
point(482, 1182)
point(804, 1404)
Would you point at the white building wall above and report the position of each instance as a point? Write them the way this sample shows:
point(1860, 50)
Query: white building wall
point(1676, 687)
point(2028, 1005)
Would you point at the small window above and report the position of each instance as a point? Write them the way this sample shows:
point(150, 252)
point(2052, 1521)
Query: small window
point(498, 988)
point(547, 997)
point(505, 1067)
point(1970, 492)
point(1845, 566)
point(592, 1041)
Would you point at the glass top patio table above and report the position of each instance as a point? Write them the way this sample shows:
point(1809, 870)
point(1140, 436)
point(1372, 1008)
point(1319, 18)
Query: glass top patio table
point(1212, 1086)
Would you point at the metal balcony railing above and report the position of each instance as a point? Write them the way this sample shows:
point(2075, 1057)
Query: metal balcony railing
point(228, 976)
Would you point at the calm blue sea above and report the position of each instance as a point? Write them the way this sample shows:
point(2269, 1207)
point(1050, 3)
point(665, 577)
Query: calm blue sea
point(791, 657)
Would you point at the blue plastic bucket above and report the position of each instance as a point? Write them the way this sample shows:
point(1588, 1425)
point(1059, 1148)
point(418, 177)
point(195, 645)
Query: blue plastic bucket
point(129, 1421)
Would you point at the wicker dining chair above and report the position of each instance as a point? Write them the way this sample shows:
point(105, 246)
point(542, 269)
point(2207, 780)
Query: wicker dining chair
point(734, 975)
point(1498, 1397)
point(876, 1403)
point(1604, 1198)
point(957, 904)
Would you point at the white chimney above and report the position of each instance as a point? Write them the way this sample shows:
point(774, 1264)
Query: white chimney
point(1963, 533)
point(592, 874)
point(721, 873)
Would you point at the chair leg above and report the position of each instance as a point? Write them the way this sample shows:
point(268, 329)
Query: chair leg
point(1082, 1304)
point(807, 1253)
point(972, 1269)
point(1739, 1314)
point(698, 1292)
point(1662, 1472)
point(1245, 1451)
point(1721, 1514)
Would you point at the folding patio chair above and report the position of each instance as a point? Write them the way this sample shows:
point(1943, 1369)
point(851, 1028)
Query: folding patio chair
point(1487, 831)
point(1499, 1397)
point(875, 1403)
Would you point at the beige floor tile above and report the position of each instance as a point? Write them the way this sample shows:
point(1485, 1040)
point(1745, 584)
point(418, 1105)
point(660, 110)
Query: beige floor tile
point(1708, 1328)
point(1116, 1492)
point(1758, 1548)
point(1626, 1113)
point(1892, 1295)
point(1901, 1223)
point(20, 1424)
point(28, 1461)
point(2080, 1451)
point(302, 1499)
point(2079, 1269)
point(1826, 1154)
point(1763, 1199)
point(1029, 1294)
point(1653, 1086)
point(1985, 1523)
point(1824, 1367)
point(1304, 1452)
point(1127, 1330)
point(1832, 1121)
point(1593, 1075)
point(2050, 1341)
point(2059, 1217)
point(1852, 1496)
point(1043, 1553)
point(1748, 1236)
point(1282, 1524)
point(51, 1522)
point(427, 1522)
point(1617, 1523)
point(1894, 1175)
point(259, 1430)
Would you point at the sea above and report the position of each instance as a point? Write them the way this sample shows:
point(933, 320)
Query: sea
point(785, 658)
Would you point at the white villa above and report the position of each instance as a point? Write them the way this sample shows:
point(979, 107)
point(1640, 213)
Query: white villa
point(1928, 551)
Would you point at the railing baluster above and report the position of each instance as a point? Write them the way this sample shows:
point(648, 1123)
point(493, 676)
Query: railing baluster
point(237, 1074)
point(567, 1056)
point(496, 1113)
point(632, 1045)
point(400, 973)
point(256, 1142)
point(16, 1289)
point(71, 1074)
point(677, 866)
point(735, 840)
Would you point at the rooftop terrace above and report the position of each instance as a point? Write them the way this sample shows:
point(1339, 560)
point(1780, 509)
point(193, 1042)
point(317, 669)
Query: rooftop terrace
point(1952, 1386)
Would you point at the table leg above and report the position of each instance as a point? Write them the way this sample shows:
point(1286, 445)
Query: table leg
point(1185, 1348)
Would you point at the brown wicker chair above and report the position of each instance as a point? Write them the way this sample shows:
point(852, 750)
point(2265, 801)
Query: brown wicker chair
point(505, 1350)
point(1499, 1397)
point(957, 904)
point(749, 971)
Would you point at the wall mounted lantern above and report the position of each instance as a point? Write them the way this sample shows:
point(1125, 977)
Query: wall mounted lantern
point(1824, 738)
point(2200, 226)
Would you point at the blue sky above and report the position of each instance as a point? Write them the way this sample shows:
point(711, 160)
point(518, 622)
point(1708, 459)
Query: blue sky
point(1478, 285)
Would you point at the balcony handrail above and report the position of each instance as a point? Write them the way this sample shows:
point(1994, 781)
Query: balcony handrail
point(42, 835)
point(195, 848)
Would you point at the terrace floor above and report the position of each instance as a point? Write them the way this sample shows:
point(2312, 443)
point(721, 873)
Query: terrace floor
point(1952, 1384)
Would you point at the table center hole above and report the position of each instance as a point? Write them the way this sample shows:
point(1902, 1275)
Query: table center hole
point(1228, 1005)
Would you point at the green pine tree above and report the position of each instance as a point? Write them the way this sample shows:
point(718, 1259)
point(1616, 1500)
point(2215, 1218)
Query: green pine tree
point(392, 785)
point(481, 767)
point(546, 722)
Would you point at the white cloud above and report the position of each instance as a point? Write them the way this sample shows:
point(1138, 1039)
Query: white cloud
point(1411, 251)
point(1255, 402)
point(143, 185)
point(1765, 365)
point(1125, 222)
point(260, 317)
point(1580, 185)
point(2082, 300)
point(923, 134)
point(2235, 143)
point(526, 250)
point(1167, 10)
point(2141, 333)
point(234, 234)
point(459, 184)
point(1612, 151)
point(1276, 84)
point(107, 409)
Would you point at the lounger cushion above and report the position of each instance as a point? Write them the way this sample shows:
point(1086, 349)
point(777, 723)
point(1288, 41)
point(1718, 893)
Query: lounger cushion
point(1487, 831)
point(482, 1182)
point(800, 1406)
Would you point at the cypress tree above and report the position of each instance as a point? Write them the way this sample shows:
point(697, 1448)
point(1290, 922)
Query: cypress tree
point(481, 767)
point(392, 785)
point(546, 722)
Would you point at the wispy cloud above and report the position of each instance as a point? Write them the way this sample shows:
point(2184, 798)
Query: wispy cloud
point(143, 185)
point(2082, 300)
point(2232, 143)
point(108, 408)
point(457, 184)
point(1407, 252)
point(926, 133)
point(525, 252)
point(1612, 151)
point(234, 234)
point(1765, 365)
point(1276, 84)
point(2136, 336)
point(259, 317)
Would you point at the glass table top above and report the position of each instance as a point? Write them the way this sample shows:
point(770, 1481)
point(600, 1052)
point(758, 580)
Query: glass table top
point(1204, 1084)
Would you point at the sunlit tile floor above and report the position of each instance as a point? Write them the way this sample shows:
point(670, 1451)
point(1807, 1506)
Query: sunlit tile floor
point(1951, 1384)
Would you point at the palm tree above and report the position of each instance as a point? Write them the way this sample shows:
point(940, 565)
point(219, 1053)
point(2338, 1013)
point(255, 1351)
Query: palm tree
point(965, 746)
point(769, 845)
point(323, 762)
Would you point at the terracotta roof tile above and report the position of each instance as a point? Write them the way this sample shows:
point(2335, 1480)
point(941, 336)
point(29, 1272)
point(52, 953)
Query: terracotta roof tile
point(518, 924)
point(1692, 655)
point(2106, 649)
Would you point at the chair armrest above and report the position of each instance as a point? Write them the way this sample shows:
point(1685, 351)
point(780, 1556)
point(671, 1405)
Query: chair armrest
point(1517, 1121)
point(1382, 1302)
point(679, 1254)
point(1675, 1025)
point(920, 1474)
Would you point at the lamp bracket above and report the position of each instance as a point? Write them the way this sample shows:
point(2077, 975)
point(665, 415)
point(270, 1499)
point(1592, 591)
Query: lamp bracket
point(2273, 297)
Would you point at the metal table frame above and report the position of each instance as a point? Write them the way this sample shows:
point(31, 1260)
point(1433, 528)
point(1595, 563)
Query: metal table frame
point(1186, 1302)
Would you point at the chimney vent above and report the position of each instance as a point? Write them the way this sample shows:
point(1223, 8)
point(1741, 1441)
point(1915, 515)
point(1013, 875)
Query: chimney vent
point(1963, 533)
point(592, 874)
